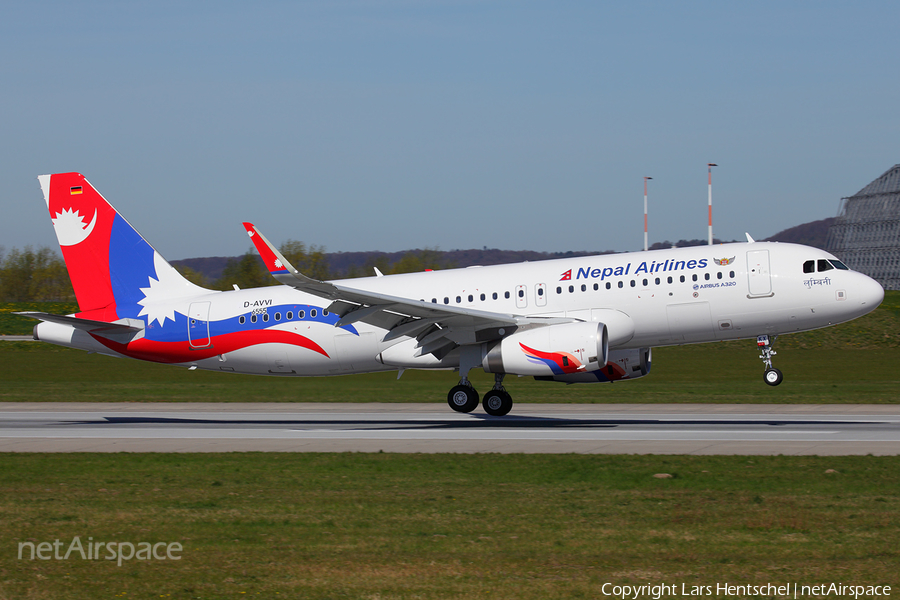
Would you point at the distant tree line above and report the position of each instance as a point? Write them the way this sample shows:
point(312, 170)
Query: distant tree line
point(31, 275)
point(40, 275)
point(248, 271)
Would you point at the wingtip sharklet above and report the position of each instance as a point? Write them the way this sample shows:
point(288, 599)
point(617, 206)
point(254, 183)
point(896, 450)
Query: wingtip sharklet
point(274, 261)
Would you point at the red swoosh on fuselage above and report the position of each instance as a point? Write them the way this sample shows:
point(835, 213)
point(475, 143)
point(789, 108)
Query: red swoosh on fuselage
point(182, 352)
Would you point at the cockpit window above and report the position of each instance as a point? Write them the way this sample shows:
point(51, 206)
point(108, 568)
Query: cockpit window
point(809, 266)
point(824, 265)
point(839, 265)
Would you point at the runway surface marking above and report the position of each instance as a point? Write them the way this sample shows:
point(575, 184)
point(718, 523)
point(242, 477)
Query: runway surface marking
point(533, 428)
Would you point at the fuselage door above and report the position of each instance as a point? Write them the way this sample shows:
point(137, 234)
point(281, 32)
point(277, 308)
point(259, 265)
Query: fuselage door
point(540, 294)
point(198, 324)
point(758, 275)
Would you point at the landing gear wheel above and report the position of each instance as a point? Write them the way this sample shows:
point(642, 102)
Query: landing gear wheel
point(463, 398)
point(497, 403)
point(773, 376)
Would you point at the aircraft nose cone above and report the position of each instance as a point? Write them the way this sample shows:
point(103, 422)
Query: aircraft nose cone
point(868, 293)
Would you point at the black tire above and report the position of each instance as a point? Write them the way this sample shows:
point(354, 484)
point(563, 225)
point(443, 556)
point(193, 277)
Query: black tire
point(773, 376)
point(497, 403)
point(462, 398)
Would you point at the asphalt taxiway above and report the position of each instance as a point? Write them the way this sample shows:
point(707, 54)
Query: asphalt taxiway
point(530, 428)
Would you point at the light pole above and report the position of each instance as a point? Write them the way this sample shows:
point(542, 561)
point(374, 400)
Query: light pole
point(645, 212)
point(709, 166)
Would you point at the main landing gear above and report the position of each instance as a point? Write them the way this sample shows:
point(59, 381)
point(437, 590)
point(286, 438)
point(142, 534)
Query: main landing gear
point(497, 402)
point(771, 376)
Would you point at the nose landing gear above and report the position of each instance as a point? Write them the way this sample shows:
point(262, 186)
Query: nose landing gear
point(771, 376)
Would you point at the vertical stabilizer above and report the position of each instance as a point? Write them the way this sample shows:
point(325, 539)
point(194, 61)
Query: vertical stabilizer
point(115, 273)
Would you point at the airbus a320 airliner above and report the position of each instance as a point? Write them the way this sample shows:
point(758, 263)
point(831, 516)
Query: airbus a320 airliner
point(575, 320)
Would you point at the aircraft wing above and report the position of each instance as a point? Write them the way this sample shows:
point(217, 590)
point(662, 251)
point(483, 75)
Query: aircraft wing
point(438, 327)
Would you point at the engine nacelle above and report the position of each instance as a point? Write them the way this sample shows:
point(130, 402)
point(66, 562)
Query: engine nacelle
point(569, 348)
point(621, 365)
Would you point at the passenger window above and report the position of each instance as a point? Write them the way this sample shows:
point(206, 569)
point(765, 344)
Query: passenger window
point(694, 277)
point(621, 284)
point(632, 283)
point(458, 299)
point(682, 279)
point(434, 300)
point(706, 276)
point(506, 295)
point(583, 288)
point(242, 320)
point(571, 288)
point(824, 265)
point(645, 283)
point(494, 295)
point(608, 285)
point(521, 293)
point(669, 279)
point(558, 290)
point(301, 314)
point(809, 266)
point(731, 274)
point(266, 317)
point(312, 313)
point(446, 300)
point(596, 286)
point(657, 281)
point(290, 315)
point(719, 275)
point(278, 316)
point(540, 291)
point(253, 318)
point(471, 298)
point(483, 297)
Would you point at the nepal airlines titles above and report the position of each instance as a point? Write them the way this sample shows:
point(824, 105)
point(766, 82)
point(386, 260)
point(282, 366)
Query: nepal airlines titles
point(667, 265)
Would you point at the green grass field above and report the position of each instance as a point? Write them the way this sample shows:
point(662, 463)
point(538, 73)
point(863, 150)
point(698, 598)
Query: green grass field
point(445, 526)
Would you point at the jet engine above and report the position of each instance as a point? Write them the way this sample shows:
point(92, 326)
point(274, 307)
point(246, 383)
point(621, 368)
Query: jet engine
point(570, 348)
point(620, 365)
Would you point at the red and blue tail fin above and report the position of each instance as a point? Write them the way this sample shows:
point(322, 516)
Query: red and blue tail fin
point(114, 271)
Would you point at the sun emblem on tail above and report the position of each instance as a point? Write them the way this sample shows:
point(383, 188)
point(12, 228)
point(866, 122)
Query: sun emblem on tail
point(70, 227)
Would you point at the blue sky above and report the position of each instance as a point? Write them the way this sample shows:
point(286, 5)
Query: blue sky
point(390, 125)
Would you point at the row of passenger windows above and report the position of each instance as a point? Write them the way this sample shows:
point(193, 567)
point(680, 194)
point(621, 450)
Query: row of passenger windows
point(646, 282)
point(289, 315)
point(483, 297)
point(559, 290)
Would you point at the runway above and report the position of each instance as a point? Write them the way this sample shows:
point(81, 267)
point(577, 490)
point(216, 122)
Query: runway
point(432, 428)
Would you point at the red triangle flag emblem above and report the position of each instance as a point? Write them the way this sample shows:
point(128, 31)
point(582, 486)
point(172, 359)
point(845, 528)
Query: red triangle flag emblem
point(567, 276)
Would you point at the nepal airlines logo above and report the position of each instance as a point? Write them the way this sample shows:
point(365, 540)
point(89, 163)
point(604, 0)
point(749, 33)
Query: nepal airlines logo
point(567, 276)
point(70, 227)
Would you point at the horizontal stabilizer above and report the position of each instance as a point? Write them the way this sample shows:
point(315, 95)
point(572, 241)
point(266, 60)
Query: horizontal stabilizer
point(122, 331)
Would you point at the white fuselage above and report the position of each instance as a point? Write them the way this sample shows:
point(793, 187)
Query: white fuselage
point(655, 298)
